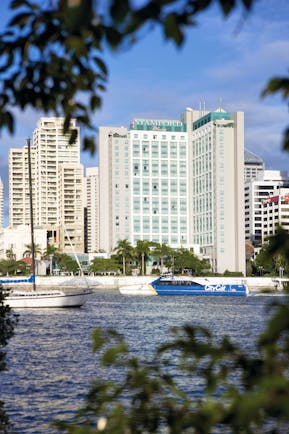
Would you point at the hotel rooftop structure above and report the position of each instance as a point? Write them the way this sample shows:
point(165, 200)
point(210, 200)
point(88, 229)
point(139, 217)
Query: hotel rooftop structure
point(179, 182)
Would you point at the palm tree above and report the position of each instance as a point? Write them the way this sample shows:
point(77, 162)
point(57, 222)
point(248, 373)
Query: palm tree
point(125, 250)
point(53, 254)
point(143, 251)
point(50, 250)
point(28, 251)
point(10, 254)
point(161, 252)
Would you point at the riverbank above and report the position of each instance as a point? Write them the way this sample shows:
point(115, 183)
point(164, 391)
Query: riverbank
point(255, 284)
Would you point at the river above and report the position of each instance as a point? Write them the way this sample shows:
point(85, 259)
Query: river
point(50, 362)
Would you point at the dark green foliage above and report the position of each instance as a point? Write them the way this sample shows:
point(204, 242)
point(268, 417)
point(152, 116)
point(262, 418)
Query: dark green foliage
point(67, 263)
point(7, 323)
point(11, 267)
point(103, 265)
point(52, 53)
point(274, 254)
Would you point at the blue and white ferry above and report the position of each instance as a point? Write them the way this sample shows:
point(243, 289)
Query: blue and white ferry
point(185, 285)
point(180, 285)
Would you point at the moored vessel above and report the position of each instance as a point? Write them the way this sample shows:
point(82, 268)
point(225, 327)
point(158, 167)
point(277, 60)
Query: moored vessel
point(183, 285)
point(19, 294)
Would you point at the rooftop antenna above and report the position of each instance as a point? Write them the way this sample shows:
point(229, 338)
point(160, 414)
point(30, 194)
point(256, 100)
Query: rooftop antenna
point(220, 103)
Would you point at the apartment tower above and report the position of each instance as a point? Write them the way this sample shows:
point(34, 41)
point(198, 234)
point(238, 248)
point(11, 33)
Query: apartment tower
point(57, 185)
point(92, 209)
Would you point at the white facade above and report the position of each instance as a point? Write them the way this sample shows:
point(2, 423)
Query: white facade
point(114, 188)
point(16, 241)
point(254, 166)
point(217, 170)
point(257, 190)
point(57, 185)
point(275, 212)
point(176, 182)
point(92, 209)
point(158, 179)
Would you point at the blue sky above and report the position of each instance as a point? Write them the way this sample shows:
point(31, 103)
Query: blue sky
point(228, 60)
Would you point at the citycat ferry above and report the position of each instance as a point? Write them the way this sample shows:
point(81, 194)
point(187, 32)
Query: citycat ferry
point(182, 285)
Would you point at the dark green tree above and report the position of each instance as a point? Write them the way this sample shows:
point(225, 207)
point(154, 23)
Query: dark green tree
point(161, 252)
point(10, 254)
point(103, 265)
point(67, 263)
point(28, 252)
point(186, 260)
point(273, 254)
point(8, 322)
point(142, 252)
point(11, 267)
point(125, 250)
point(60, 45)
point(50, 250)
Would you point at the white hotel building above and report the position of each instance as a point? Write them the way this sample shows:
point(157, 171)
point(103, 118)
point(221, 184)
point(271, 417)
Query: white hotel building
point(176, 182)
point(57, 185)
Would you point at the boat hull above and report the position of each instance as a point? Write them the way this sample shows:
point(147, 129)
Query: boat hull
point(145, 289)
point(46, 299)
point(184, 286)
point(225, 290)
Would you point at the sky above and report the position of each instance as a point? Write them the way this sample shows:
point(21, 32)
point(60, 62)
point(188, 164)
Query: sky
point(224, 61)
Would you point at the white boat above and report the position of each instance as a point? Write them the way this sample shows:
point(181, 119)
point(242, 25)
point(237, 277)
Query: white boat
point(19, 294)
point(22, 292)
point(167, 285)
point(143, 289)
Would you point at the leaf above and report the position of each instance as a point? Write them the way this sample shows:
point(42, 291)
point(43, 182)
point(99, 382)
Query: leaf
point(111, 355)
point(73, 136)
point(277, 84)
point(98, 340)
point(102, 66)
point(95, 102)
point(119, 9)
point(20, 20)
point(89, 145)
point(172, 28)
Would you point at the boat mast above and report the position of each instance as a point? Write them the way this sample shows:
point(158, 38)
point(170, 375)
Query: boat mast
point(31, 213)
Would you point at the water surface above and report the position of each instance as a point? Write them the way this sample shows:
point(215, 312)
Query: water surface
point(50, 359)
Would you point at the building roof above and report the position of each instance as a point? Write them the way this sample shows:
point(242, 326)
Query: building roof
point(251, 158)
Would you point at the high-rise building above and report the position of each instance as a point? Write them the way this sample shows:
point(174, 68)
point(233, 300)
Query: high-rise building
point(92, 209)
point(57, 185)
point(216, 173)
point(256, 190)
point(179, 182)
point(275, 212)
point(254, 166)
